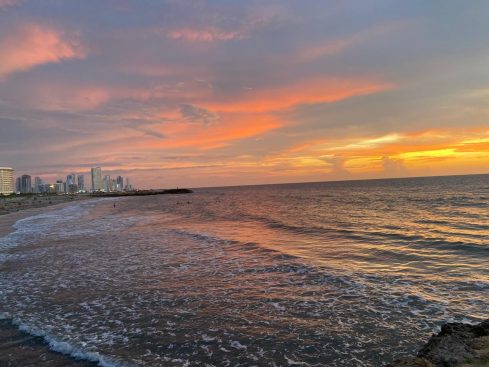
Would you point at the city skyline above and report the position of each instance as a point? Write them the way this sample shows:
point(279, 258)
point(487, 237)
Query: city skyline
point(74, 183)
point(215, 93)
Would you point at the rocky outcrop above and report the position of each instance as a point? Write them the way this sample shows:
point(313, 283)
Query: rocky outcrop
point(456, 345)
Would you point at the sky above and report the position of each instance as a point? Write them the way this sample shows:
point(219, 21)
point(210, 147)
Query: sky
point(223, 92)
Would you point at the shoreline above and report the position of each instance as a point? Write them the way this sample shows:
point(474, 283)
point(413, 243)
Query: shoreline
point(20, 348)
point(7, 220)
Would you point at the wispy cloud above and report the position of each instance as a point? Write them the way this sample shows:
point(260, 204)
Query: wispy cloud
point(338, 45)
point(319, 90)
point(207, 34)
point(30, 45)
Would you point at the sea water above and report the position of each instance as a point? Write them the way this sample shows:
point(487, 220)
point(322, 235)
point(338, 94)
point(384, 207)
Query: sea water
point(317, 274)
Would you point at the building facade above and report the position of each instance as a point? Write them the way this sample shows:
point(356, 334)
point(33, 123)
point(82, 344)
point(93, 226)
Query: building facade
point(25, 184)
point(97, 184)
point(128, 184)
point(120, 183)
point(81, 182)
point(107, 183)
point(37, 185)
point(18, 185)
point(6, 180)
point(71, 179)
point(60, 187)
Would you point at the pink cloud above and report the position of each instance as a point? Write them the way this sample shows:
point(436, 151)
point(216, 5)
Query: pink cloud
point(31, 45)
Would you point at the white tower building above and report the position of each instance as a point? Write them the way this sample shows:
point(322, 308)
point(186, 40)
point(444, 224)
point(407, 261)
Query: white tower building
point(6, 180)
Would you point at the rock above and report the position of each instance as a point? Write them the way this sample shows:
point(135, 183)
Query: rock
point(456, 344)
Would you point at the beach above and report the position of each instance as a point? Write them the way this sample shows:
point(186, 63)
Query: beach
point(18, 348)
point(20, 203)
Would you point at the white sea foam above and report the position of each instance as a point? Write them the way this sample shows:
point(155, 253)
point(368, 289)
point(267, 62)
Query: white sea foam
point(66, 348)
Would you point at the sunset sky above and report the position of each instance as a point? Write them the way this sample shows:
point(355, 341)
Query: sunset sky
point(223, 92)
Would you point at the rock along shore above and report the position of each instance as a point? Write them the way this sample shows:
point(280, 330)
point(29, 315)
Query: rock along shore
point(456, 344)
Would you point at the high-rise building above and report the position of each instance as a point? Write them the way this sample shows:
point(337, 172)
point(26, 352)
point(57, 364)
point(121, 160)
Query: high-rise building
point(18, 184)
point(71, 179)
point(97, 184)
point(6, 180)
point(128, 184)
point(107, 183)
point(81, 182)
point(120, 183)
point(25, 184)
point(37, 184)
point(60, 187)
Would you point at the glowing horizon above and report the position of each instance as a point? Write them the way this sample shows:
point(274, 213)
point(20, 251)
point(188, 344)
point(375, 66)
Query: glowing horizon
point(215, 93)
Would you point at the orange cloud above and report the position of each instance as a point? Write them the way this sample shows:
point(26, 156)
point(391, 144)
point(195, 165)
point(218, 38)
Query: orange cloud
point(441, 151)
point(321, 90)
point(229, 129)
point(30, 45)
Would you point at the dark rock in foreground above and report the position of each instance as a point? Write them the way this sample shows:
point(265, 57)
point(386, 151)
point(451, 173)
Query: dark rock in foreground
point(457, 344)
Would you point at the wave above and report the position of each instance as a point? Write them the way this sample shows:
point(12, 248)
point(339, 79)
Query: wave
point(60, 346)
point(240, 246)
point(65, 223)
point(457, 225)
point(37, 225)
point(373, 236)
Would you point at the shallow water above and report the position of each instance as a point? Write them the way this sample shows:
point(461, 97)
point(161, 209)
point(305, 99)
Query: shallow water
point(336, 274)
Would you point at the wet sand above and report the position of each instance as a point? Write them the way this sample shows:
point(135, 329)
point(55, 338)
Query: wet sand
point(17, 348)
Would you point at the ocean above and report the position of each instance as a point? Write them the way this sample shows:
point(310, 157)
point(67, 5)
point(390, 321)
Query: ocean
point(317, 274)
